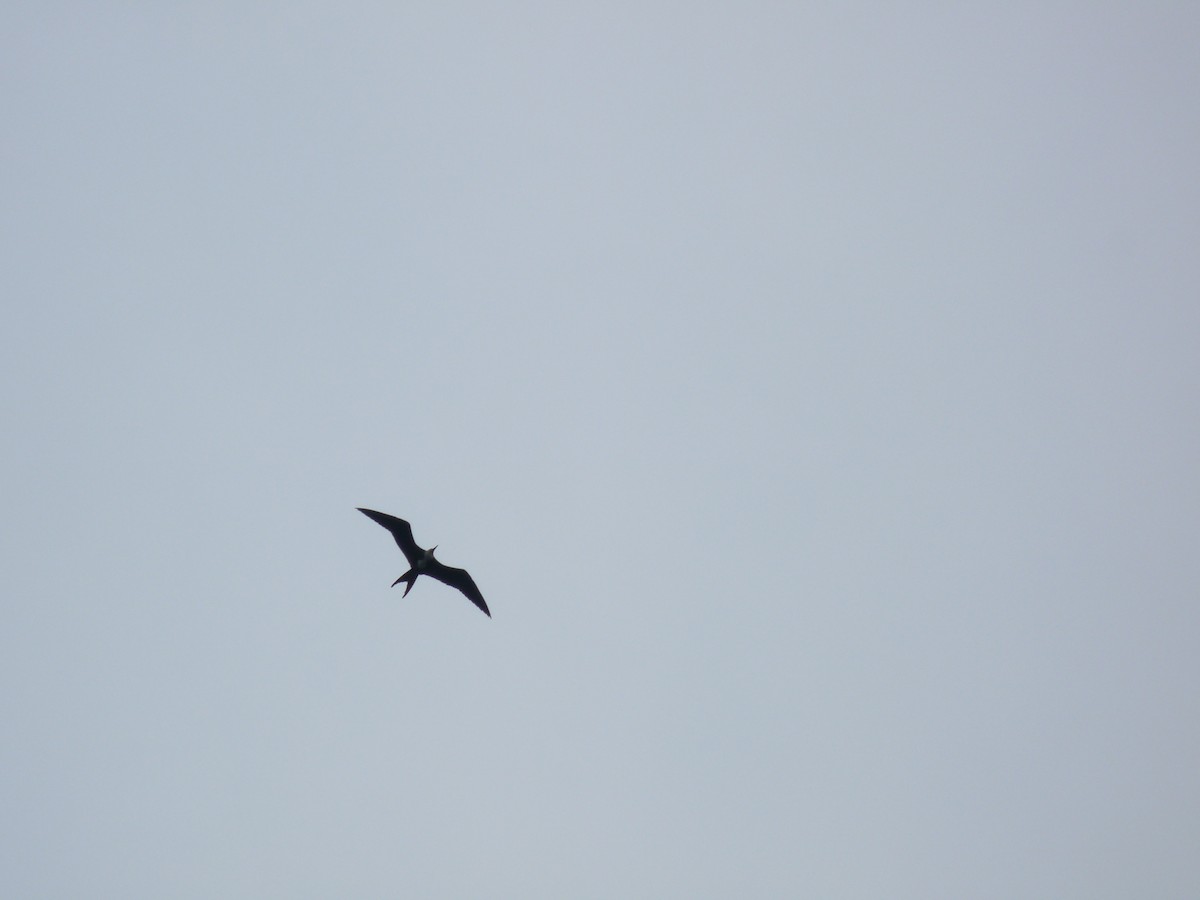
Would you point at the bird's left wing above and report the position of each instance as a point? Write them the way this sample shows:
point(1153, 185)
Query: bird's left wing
point(459, 579)
point(400, 530)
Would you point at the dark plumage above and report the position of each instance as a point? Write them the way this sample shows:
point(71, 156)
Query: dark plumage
point(421, 562)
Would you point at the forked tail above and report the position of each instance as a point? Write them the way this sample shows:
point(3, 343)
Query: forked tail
point(409, 578)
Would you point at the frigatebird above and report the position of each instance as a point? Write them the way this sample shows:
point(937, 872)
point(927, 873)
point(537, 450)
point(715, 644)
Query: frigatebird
point(421, 562)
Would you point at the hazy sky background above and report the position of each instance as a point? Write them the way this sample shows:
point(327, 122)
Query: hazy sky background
point(810, 388)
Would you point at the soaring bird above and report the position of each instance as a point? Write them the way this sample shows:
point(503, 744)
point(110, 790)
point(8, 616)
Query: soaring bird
point(421, 562)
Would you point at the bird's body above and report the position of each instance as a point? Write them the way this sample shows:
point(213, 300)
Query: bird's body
point(422, 562)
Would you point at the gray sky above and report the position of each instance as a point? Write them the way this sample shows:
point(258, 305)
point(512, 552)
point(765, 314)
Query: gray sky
point(810, 389)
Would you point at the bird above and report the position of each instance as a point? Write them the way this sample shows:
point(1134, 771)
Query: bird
point(421, 562)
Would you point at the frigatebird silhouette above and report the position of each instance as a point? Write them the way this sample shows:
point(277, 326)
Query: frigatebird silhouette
point(421, 562)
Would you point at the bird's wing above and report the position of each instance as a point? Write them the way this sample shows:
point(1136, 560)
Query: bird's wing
point(400, 530)
point(458, 578)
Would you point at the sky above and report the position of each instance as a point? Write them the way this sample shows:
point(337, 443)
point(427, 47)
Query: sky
point(810, 388)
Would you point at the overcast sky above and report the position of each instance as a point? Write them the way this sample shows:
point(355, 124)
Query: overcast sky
point(811, 390)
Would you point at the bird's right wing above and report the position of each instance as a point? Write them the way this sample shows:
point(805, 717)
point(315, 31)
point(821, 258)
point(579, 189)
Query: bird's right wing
point(400, 530)
point(459, 579)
